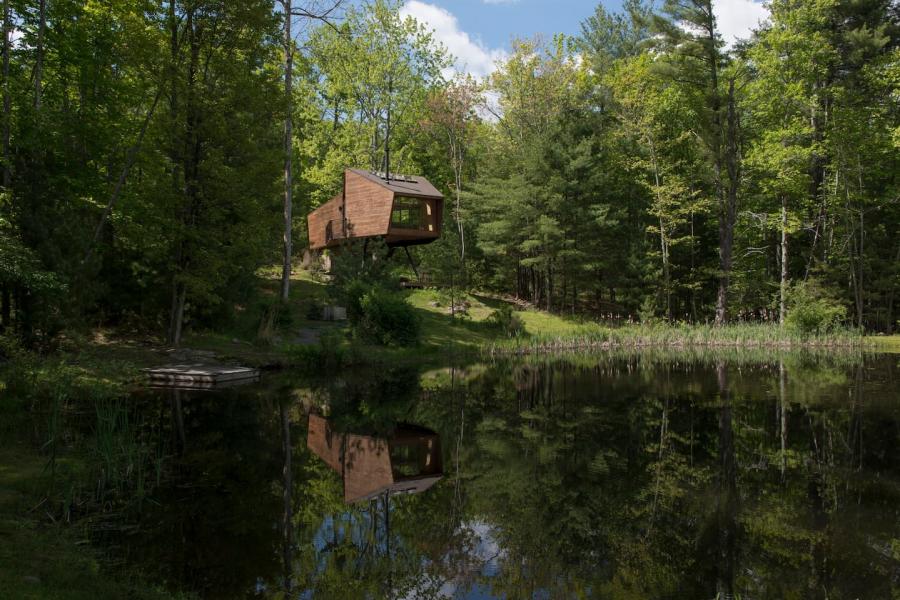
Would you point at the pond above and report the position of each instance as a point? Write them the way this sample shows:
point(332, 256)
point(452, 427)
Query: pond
point(605, 476)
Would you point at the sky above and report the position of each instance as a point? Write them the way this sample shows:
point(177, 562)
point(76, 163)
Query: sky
point(478, 32)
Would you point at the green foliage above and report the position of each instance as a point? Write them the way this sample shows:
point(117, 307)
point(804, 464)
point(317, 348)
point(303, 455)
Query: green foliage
point(352, 294)
point(386, 318)
point(600, 178)
point(507, 321)
point(811, 310)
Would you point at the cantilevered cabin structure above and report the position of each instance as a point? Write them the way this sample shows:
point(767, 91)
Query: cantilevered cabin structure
point(408, 462)
point(401, 209)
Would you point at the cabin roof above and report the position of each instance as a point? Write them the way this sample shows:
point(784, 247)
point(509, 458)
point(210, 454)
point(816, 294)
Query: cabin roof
point(404, 185)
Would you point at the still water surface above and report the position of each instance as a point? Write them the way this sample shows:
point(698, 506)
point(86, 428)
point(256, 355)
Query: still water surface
point(588, 477)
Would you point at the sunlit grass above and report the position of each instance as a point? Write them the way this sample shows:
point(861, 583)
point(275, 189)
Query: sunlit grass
point(546, 332)
point(887, 343)
point(739, 335)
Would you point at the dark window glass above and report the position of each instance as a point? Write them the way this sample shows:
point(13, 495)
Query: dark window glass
point(409, 213)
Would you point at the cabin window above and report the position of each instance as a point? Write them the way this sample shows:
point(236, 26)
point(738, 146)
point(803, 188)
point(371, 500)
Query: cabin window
point(411, 213)
point(410, 458)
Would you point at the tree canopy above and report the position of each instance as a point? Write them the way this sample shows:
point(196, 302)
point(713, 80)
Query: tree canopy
point(642, 170)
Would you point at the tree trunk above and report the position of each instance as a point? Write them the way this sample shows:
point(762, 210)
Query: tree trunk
point(191, 159)
point(782, 306)
point(890, 306)
point(459, 223)
point(859, 281)
point(549, 286)
point(663, 241)
point(7, 105)
point(729, 206)
point(456, 152)
point(288, 151)
point(176, 318)
point(174, 333)
point(39, 60)
point(387, 131)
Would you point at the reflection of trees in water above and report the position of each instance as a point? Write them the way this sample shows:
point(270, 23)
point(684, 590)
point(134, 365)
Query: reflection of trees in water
point(665, 481)
point(207, 527)
point(603, 477)
point(287, 516)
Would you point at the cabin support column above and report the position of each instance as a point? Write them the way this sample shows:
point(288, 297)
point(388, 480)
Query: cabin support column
point(412, 263)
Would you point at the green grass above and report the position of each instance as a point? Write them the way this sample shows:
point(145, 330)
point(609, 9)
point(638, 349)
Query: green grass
point(444, 336)
point(117, 358)
point(473, 331)
point(545, 332)
point(887, 343)
point(741, 335)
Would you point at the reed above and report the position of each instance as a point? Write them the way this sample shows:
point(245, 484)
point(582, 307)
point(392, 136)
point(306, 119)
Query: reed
point(737, 336)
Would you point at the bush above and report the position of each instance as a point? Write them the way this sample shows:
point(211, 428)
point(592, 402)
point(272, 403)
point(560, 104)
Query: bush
point(507, 321)
point(385, 318)
point(647, 311)
point(353, 293)
point(327, 356)
point(811, 311)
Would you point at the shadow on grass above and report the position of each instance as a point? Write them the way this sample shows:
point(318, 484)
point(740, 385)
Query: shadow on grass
point(442, 330)
point(496, 303)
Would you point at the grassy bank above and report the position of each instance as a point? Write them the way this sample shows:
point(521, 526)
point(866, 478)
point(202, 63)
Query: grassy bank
point(265, 334)
point(886, 343)
point(545, 332)
point(738, 336)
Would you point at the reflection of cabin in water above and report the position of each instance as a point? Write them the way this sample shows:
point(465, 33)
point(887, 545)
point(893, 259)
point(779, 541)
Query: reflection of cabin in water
point(403, 210)
point(408, 462)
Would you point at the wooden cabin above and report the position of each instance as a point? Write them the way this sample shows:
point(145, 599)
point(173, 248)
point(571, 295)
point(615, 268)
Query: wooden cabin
point(407, 462)
point(401, 209)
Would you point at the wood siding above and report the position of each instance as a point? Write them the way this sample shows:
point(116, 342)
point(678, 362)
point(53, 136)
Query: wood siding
point(317, 222)
point(365, 463)
point(368, 206)
point(368, 203)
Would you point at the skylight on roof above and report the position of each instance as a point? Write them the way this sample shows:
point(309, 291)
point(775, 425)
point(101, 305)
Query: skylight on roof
point(393, 177)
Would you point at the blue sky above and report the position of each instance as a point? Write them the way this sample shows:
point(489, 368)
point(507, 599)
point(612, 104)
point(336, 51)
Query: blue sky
point(495, 23)
point(478, 32)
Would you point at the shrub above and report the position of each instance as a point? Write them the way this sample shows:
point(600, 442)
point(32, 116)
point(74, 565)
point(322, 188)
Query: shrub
point(385, 318)
point(326, 356)
point(265, 333)
point(353, 293)
point(811, 310)
point(648, 313)
point(507, 321)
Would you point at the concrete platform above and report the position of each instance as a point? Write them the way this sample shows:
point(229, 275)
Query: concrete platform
point(198, 375)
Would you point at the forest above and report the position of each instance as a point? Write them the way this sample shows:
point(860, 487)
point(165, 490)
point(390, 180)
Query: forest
point(157, 153)
point(651, 355)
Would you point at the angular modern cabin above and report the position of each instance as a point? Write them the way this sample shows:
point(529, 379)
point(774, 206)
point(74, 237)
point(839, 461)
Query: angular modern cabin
point(403, 210)
point(409, 462)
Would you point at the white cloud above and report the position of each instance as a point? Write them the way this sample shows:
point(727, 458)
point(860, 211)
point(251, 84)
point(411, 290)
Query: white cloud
point(471, 56)
point(738, 18)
